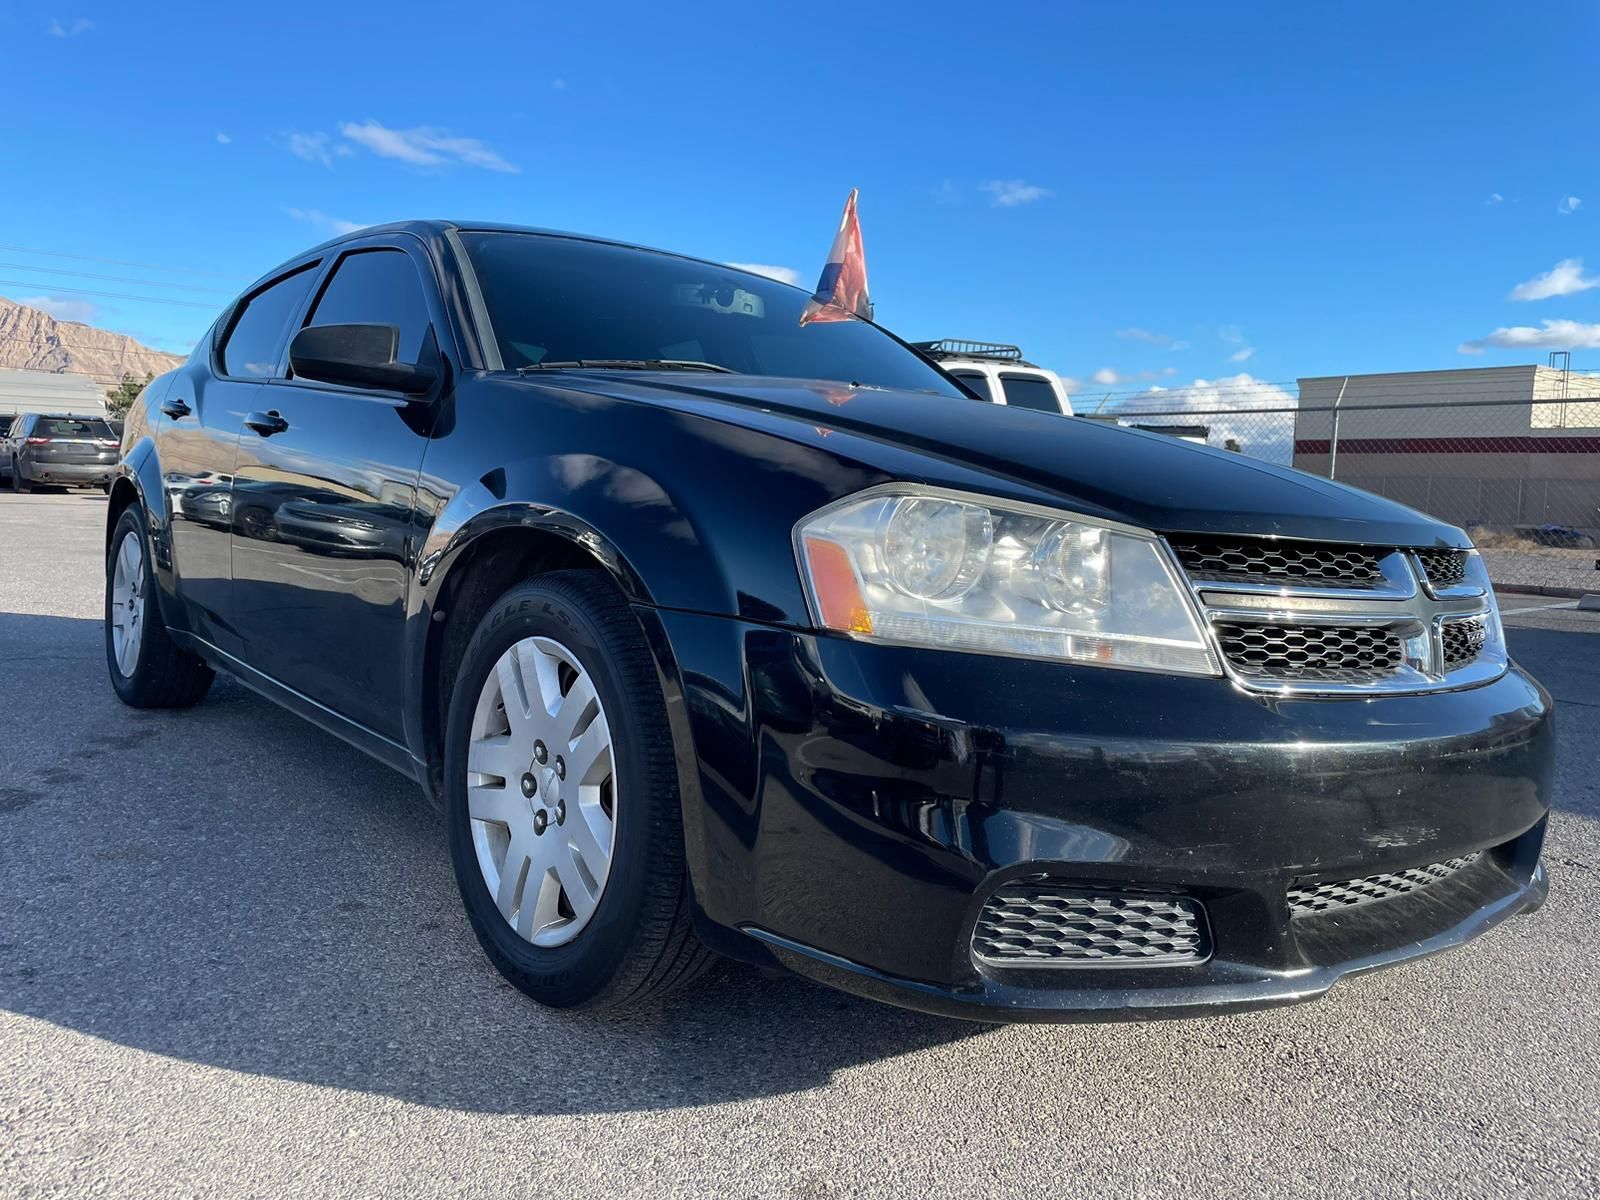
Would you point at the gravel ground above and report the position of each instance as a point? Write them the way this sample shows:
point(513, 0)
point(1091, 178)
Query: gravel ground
point(232, 962)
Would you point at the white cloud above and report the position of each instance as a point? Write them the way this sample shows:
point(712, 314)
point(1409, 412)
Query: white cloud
point(316, 147)
point(322, 220)
point(1106, 377)
point(1150, 338)
point(1234, 336)
point(69, 29)
point(947, 192)
point(1494, 198)
point(1008, 193)
point(223, 139)
point(781, 274)
point(1568, 205)
point(425, 146)
point(1552, 335)
point(1563, 279)
point(1224, 407)
point(62, 310)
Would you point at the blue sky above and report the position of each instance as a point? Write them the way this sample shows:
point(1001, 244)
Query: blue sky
point(1137, 194)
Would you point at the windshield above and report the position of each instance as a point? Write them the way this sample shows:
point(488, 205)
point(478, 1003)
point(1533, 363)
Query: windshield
point(562, 300)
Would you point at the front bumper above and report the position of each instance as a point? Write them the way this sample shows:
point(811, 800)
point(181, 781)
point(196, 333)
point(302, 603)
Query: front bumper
point(850, 807)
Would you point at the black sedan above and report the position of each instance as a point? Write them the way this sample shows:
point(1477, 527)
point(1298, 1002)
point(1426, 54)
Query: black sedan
point(713, 631)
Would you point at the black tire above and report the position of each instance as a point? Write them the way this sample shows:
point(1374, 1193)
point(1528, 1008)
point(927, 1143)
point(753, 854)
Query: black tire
point(18, 483)
point(640, 941)
point(163, 676)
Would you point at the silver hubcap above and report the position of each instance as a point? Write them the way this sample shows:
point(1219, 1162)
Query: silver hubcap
point(542, 791)
point(127, 603)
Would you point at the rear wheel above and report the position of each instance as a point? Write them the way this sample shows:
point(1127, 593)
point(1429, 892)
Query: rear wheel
point(18, 483)
point(147, 669)
point(562, 800)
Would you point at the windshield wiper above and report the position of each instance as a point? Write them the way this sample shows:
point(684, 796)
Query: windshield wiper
point(627, 364)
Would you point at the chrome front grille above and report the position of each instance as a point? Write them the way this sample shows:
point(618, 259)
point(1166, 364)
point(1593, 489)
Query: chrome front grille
point(1265, 560)
point(1316, 653)
point(1043, 925)
point(1321, 618)
point(1307, 900)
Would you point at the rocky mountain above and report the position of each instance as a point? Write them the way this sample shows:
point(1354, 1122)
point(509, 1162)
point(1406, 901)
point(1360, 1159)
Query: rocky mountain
point(36, 341)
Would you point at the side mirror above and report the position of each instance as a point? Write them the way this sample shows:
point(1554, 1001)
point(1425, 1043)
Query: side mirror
point(357, 356)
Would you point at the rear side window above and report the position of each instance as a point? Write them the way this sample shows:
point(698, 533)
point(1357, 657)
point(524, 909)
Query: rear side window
point(63, 427)
point(377, 287)
point(978, 383)
point(255, 343)
point(1029, 391)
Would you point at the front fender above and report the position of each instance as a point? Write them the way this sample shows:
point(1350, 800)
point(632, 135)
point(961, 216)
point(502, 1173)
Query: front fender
point(140, 469)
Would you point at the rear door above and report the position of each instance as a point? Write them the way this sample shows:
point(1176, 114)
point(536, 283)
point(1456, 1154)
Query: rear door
point(323, 498)
point(197, 433)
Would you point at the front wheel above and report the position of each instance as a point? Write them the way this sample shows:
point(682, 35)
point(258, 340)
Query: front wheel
point(147, 669)
point(562, 799)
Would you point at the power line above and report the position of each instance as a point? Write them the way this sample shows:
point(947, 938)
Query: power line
point(33, 283)
point(160, 283)
point(117, 262)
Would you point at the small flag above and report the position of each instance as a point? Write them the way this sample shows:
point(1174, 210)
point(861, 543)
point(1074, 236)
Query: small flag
point(842, 291)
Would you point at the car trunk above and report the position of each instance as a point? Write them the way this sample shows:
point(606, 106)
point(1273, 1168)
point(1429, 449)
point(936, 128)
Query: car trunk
point(72, 443)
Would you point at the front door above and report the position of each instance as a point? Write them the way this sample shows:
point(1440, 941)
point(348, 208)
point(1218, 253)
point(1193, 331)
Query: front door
point(197, 430)
point(323, 494)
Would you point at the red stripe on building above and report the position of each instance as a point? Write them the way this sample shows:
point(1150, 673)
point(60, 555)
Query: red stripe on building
point(1461, 445)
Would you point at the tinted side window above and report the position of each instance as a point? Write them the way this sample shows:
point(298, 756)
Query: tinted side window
point(978, 383)
point(255, 343)
point(377, 287)
point(1029, 391)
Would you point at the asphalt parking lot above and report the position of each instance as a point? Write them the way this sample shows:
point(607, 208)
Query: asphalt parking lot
point(232, 960)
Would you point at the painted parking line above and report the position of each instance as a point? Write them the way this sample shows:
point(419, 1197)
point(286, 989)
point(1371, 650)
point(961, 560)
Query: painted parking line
point(1512, 612)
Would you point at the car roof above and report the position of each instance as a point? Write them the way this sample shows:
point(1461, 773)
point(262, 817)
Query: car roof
point(436, 228)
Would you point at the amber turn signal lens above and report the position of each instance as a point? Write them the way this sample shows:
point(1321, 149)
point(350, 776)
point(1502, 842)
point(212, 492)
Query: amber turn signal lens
point(839, 602)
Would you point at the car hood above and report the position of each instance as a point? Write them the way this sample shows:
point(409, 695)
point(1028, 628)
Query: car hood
point(1147, 479)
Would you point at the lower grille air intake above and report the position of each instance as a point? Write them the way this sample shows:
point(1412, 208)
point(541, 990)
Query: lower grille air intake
point(1037, 925)
point(1307, 900)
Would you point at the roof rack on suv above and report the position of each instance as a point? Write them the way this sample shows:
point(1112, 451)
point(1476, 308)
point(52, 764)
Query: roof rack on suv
point(959, 348)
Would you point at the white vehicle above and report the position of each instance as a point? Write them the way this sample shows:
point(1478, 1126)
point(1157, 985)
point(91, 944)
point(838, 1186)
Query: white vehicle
point(999, 373)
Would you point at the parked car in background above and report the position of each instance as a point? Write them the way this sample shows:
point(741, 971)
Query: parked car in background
point(6, 421)
point(997, 372)
point(713, 631)
point(52, 450)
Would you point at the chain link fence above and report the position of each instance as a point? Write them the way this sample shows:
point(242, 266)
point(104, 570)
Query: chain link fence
point(1523, 477)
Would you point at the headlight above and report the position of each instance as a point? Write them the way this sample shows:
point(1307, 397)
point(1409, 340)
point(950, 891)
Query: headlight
point(926, 567)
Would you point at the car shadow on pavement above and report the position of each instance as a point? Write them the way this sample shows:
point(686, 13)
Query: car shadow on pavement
point(228, 886)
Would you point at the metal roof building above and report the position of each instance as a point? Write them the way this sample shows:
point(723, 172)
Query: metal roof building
point(50, 392)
